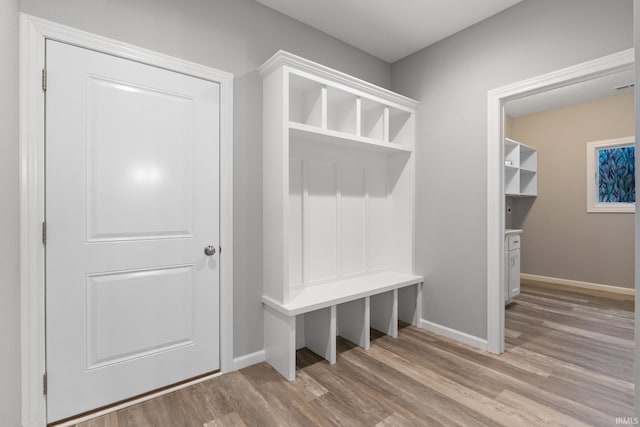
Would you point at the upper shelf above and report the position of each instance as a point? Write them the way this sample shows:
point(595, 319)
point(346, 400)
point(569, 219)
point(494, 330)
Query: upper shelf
point(321, 108)
point(326, 105)
point(313, 133)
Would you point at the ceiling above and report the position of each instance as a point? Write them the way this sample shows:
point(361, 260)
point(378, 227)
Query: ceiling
point(577, 93)
point(389, 30)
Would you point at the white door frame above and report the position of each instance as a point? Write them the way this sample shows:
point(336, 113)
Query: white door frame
point(495, 171)
point(33, 33)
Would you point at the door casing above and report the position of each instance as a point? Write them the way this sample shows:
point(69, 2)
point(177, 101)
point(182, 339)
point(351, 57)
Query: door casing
point(33, 33)
point(496, 98)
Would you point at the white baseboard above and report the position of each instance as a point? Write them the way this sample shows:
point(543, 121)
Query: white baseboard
point(578, 284)
point(454, 334)
point(248, 360)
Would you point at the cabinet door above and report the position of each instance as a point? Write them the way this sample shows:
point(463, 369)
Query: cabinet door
point(514, 273)
point(507, 276)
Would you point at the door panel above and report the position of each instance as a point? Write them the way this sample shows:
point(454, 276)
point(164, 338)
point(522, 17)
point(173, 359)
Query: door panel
point(132, 199)
point(126, 179)
point(118, 302)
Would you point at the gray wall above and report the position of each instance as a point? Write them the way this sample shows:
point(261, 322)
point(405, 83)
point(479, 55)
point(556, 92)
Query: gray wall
point(451, 79)
point(9, 225)
point(560, 239)
point(235, 36)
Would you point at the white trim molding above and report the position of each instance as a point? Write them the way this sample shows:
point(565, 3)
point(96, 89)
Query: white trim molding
point(302, 64)
point(578, 284)
point(593, 205)
point(33, 34)
point(496, 99)
point(454, 334)
point(247, 360)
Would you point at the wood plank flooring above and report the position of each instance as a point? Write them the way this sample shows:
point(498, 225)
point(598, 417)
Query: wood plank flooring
point(568, 361)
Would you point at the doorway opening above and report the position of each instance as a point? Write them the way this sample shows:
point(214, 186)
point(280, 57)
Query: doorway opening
point(497, 99)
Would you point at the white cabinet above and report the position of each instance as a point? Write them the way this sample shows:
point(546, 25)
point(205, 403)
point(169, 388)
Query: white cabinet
point(512, 264)
point(338, 209)
point(520, 169)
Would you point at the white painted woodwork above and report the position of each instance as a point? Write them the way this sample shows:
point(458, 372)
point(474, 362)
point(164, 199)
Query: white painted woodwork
point(512, 241)
point(280, 342)
point(351, 220)
point(384, 312)
point(132, 200)
point(372, 114)
point(320, 232)
point(353, 322)
point(410, 304)
point(514, 273)
point(520, 169)
point(338, 292)
point(338, 206)
point(320, 332)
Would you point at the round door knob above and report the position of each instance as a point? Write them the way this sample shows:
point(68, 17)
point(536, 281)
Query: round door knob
point(209, 250)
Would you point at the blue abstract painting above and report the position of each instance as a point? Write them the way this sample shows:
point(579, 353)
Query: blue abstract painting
point(616, 175)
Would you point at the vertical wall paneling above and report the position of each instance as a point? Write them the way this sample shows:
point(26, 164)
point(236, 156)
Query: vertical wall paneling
point(320, 221)
point(376, 239)
point(352, 230)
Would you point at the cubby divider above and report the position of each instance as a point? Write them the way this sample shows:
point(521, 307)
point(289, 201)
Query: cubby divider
point(341, 111)
point(353, 322)
point(305, 101)
point(410, 304)
point(400, 131)
point(384, 312)
point(372, 121)
point(320, 332)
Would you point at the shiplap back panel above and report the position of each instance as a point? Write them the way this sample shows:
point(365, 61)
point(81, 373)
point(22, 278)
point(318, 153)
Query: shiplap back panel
point(338, 217)
point(351, 209)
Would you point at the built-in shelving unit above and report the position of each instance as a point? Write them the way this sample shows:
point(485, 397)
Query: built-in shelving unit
point(520, 169)
point(338, 207)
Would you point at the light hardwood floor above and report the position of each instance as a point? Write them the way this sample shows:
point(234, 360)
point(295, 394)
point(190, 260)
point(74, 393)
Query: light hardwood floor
point(568, 361)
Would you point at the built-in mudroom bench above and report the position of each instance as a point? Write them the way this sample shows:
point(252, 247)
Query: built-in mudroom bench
point(338, 208)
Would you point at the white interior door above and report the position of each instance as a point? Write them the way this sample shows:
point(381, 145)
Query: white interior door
point(132, 200)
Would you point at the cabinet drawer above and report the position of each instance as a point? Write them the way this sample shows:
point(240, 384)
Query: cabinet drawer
point(513, 241)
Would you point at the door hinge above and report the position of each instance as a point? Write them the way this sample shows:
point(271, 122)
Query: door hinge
point(44, 79)
point(44, 383)
point(220, 250)
point(44, 233)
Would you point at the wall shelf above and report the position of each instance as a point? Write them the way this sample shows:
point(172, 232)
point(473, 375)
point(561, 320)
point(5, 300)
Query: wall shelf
point(327, 136)
point(520, 169)
point(338, 208)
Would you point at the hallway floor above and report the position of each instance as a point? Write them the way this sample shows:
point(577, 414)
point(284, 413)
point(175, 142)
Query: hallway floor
point(568, 361)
